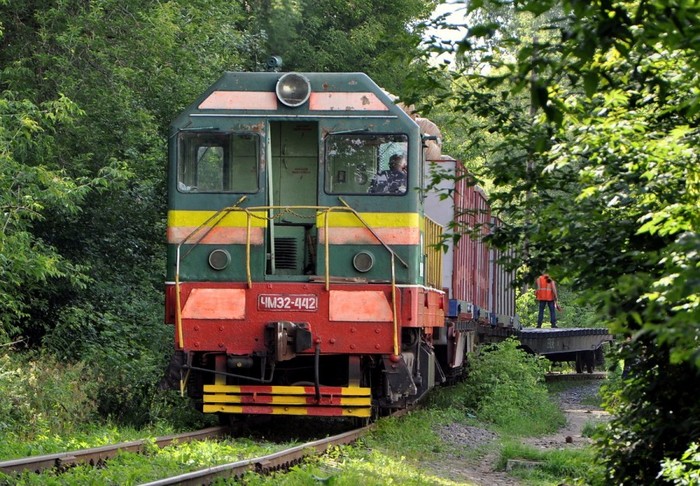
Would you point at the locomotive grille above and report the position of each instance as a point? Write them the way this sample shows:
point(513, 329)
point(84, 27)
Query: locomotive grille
point(286, 253)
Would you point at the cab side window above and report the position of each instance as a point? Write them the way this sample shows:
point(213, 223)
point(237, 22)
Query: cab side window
point(358, 163)
point(218, 162)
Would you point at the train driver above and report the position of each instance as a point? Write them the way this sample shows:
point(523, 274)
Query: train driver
point(392, 181)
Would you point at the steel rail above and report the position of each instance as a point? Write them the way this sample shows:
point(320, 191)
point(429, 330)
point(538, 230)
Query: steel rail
point(98, 455)
point(598, 375)
point(264, 464)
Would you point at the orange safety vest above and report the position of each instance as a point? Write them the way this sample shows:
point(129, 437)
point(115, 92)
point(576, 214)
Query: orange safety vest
point(545, 290)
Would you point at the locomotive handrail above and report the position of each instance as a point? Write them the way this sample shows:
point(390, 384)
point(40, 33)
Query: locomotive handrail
point(222, 211)
point(287, 209)
point(250, 214)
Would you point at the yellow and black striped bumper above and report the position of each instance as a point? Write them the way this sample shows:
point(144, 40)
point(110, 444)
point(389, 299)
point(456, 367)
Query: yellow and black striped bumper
point(288, 400)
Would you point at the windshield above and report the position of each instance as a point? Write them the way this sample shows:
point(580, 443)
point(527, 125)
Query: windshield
point(366, 164)
point(218, 162)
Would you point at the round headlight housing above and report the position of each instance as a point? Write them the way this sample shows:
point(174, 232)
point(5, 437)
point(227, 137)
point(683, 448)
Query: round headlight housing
point(219, 259)
point(293, 89)
point(363, 261)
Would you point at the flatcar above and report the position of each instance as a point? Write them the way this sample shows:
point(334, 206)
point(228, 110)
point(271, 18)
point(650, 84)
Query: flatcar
point(302, 272)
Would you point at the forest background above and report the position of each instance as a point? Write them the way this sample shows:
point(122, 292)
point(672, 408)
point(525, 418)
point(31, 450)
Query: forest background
point(581, 119)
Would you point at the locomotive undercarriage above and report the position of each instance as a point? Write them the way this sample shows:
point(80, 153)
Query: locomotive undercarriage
point(313, 384)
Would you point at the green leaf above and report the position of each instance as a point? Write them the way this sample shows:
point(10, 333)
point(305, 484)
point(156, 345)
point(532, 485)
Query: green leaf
point(590, 83)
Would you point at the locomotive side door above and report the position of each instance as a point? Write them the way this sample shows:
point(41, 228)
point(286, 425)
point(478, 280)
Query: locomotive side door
point(292, 181)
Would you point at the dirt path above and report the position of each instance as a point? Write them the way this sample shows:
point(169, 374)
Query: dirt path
point(578, 414)
point(465, 467)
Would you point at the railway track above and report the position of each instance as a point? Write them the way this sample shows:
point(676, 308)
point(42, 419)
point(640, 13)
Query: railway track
point(262, 465)
point(98, 455)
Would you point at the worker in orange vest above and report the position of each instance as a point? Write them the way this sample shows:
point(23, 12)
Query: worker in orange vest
point(546, 295)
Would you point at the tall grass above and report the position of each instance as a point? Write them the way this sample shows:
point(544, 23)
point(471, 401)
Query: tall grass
point(49, 405)
point(43, 396)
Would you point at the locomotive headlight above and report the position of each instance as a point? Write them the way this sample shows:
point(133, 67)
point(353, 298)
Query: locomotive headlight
point(363, 261)
point(293, 89)
point(219, 259)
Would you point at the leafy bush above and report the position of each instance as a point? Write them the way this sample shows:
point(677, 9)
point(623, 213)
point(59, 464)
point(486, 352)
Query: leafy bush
point(122, 340)
point(655, 413)
point(43, 396)
point(128, 367)
point(686, 470)
point(505, 386)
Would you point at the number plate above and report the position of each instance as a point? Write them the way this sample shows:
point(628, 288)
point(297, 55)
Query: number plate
point(288, 302)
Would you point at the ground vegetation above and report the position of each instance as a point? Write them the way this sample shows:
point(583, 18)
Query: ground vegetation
point(452, 439)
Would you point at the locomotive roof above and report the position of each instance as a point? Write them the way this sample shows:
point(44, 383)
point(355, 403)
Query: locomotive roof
point(332, 95)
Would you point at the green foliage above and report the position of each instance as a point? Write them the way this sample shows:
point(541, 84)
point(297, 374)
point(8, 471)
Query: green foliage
point(505, 386)
point(593, 112)
point(43, 397)
point(684, 471)
point(650, 420)
point(27, 192)
point(372, 36)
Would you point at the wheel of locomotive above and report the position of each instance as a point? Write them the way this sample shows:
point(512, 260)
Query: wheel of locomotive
point(225, 419)
point(358, 422)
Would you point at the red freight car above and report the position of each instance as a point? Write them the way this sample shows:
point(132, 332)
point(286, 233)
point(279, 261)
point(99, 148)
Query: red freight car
point(479, 287)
